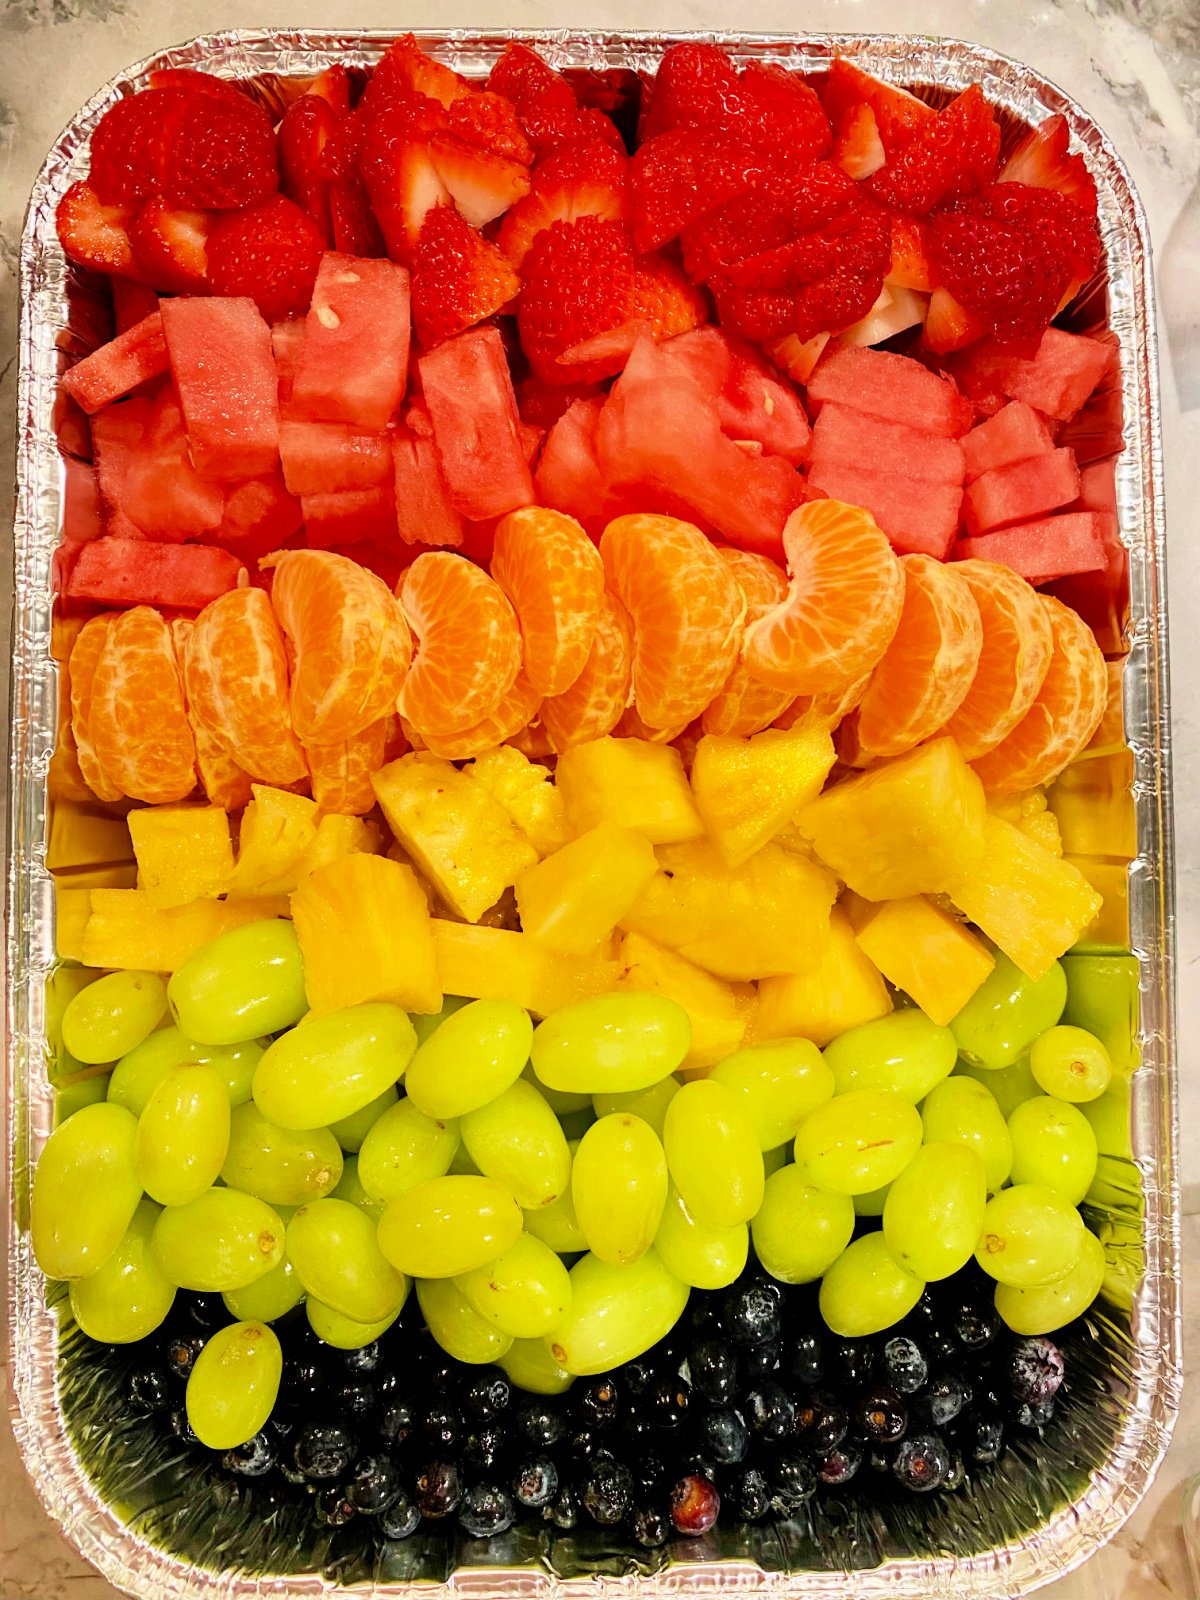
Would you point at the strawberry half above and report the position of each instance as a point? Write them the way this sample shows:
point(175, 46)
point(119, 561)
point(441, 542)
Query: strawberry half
point(459, 278)
point(582, 180)
point(490, 121)
point(308, 125)
point(194, 83)
point(953, 155)
point(680, 176)
point(483, 184)
point(1042, 160)
point(899, 116)
point(406, 69)
point(333, 86)
point(779, 111)
point(768, 217)
point(220, 154)
point(129, 145)
point(355, 230)
point(857, 148)
point(694, 86)
point(543, 100)
point(94, 234)
point(575, 284)
point(270, 252)
point(170, 247)
point(910, 255)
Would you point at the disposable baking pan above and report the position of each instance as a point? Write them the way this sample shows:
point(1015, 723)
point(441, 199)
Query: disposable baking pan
point(156, 1529)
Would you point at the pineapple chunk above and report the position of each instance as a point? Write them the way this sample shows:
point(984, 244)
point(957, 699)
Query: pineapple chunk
point(363, 928)
point(82, 837)
point(927, 954)
point(574, 899)
point(1028, 812)
point(460, 836)
point(72, 908)
point(631, 783)
point(858, 910)
point(497, 964)
point(844, 991)
point(1093, 802)
point(1028, 902)
point(719, 1012)
point(526, 793)
point(1108, 931)
point(908, 826)
point(125, 930)
point(278, 827)
point(336, 838)
point(747, 790)
point(770, 915)
point(183, 852)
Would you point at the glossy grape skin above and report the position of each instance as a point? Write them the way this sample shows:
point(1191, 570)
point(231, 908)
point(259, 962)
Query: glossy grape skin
point(518, 1140)
point(1031, 1236)
point(561, 1102)
point(344, 1333)
point(335, 1251)
point(352, 1130)
point(183, 1134)
point(223, 1240)
point(713, 1153)
point(474, 1055)
point(283, 1166)
point(619, 1186)
point(330, 1066)
point(934, 1210)
point(268, 1298)
point(113, 1016)
point(72, 1094)
point(866, 1289)
point(1009, 1086)
point(556, 1224)
point(528, 1364)
point(649, 1104)
point(698, 1253)
point(456, 1325)
point(138, 1074)
point(240, 985)
point(616, 1313)
point(1071, 1064)
point(427, 1025)
point(872, 1203)
point(405, 1147)
point(779, 1082)
point(1045, 1309)
point(448, 1226)
point(232, 1388)
point(525, 1292)
point(349, 1187)
point(614, 1044)
point(1007, 1012)
point(903, 1053)
point(128, 1297)
point(85, 1191)
point(1053, 1144)
point(859, 1141)
point(964, 1111)
point(800, 1230)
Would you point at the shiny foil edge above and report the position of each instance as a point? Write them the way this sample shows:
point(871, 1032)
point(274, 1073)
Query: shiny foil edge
point(1116, 1487)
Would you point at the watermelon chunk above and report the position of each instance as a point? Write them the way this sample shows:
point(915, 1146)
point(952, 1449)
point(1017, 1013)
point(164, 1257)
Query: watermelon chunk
point(754, 400)
point(82, 513)
point(918, 518)
point(260, 516)
point(132, 301)
point(354, 360)
point(117, 434)
point(849, 438)
point(287, 341)
point(322, 458)
point(221, 359)
point(332, 521)
point(1101, 597)
point(1098, 487)
point(473, 410)
point(131, 359)
point(568, 471)
point(134, 572)
point(1041, 551)
point(1021, 491)
point(886, 385)
point(1056, 380)
point(424, 515)
point(1015, 433)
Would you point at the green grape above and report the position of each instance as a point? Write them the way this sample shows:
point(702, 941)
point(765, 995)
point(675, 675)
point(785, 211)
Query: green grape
point(561, 1102)
point(456, 1325)
point(800, 1230)
point(424, 1026)
point(237, 1064)
point(1030, 1236)
point(1008, 1086)
point(1070, 1063)
point(867, 1290)
point(113, 1015)
point(616, 1313)
point(872, 1203)
point(183, 1134)
point(1053, 1305)
point(576, 1123)
point(352, 1130)
point(1102, 996)
point(525, 1292)
point(446, 1226)
point(240, 985)
point(517, 1140)
point(350, 1187)
point(619, 1186)
point(773, 1160)
point(859, 1141)
point(71, 1095)
point(934, 1210)
point(964, 1111)
point(85, 1191)
point(779, 1083)
point(283, 1166)
point(268, 1298)
point(462, 1166)
point(712, 1153)
point(334, 1248)
point(1007, 1012)
point(1109, 1119)
point(330, 1066)
point(1053, 1144)
point(904, 1053)
point(405, 1148)
point(528, 1364)
point(556, 1224)
point(136, 1076)
point(128, 1297)
point(614, 1043)
point(649, 1104)
point(698, 1253)
point(476, 1054)
point(344, 1333)
point(234, 1384)
point(224, 1240)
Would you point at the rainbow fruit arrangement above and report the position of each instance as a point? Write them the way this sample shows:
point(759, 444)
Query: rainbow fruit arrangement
point(562, 835)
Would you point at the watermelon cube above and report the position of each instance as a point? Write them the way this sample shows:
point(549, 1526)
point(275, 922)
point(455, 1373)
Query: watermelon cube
point(1044, 550)
point(754, 400)
point(132, 302)
point(424, 515)
point(1102, 597)
point(133, 572)
point(260, 516)
point(82, 513)
point(1021, 491)
point(221, 359)
point(886, 385)
point(1098, 487)
point(850, 438)
point(132, 358)
point(163, 495)
point(332, 521)
point(531, 438)
point(473, 410)
point(117, 433)
point(354, 360)
point(918, 518)
point(1056, 380)
point(1015, 433)
point(287, 341)
point(568, 474)
point(320, 458)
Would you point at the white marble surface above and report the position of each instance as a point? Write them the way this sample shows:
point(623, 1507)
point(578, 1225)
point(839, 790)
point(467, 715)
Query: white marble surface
point(1135, 65)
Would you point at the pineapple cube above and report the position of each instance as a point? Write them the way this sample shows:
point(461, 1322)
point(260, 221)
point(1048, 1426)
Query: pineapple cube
point(770, 915)
point(336, 837)
point(278, 827)
point(125, 930)
point(631, 783)
point(497, 964)
point(1109, 928)
point(72, 908)
point(1025, 900)
point(719, 1012)
point(927, 954)
point(908, 826)
point(460, 836)
point(1028, 812)
point(363, 928)
point(526, 793)
point(183, 852)
point(574, 899)
point(1093, 802)
point(747, 790)
point(85, 837)
point(858, 910)
point(844, 991)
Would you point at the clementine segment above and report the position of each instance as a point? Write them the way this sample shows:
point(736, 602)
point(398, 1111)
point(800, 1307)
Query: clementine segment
point(826, 708)
point(225, 784)
point(85, 657)
point(341, 773)
point(514, 713)
point(137, 723)
point(592, 706)
point(1017, 645)
point(743, 705)
point(553, 574)
point(468, 644)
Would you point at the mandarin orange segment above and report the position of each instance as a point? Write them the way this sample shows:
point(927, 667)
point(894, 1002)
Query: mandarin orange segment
point(468, 649)
point(1063, 717)
point(533, 742)
point(686, 611)
point(515, 712)
point(592, 706)
point(553, 574)
point(743, 705)
point(137, 720)
point(341, 773)
point(85, 657)
point(223, 781)
point(1017, 645)
point(349, 645)
point(826, 708)
point(843, 603)
point(632, 725)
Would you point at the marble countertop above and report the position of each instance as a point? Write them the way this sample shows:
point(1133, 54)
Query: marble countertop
point(1135, 65)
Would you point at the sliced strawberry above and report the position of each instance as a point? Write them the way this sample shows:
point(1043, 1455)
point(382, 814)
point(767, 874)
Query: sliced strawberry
point(857, 148)
point(355, 230)
point(1042, 161)
point(170, 247)
point(953, 155)
point(342, 147)
point(798, 357)
point(662, 300)
point(132, 303)
point(220, 154)
point(194, 83)
point(490, 121)
point(542, 98)
point(482, 184)
point(778, 110)
point(581, 180)
point(694, 86)
point(333, 86)
point(761, 219)
point(899, 116)
point(129, 144)
point(910, 255)
point(680, 176)
point(307, 126)
point(406, 68)
point(404, 187)
point(575, 283)
point(459, 278)
point(950, 326)
point(93, 234)
point(270, 252)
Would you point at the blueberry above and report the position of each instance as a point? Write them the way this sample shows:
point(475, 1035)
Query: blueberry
point(323, 1450)
point(793, 1482)
point(439, 1430)
point(976, 1325)
point(598, 1403)
point(542, 1425)
point(438, 1489)
point(485, 1510)
point(805, 1361)
point(695, 1505)
point(353, 1402)
point(982, 1439)
point(714, 1371)
point(848, 1363)
point(563, 1513)
point(751, 1312)
point(665, 1403)
point(486, 1395)
point(148, 1389)
point(770, 1412)
point(1034, 1414)
point(1035, 1369)
point(943, 1398)
point(724, 1435)
point(607, 1492)
point(181, 1427)
point(484, 1446)
point(535, 1482)
point(650, 1527)
point(253, 1459)
point(331, 1508)
point(821, 1422)
point(583, 1446)
point(180, 1352)
point(840, 1465)
point(401, 1519)
point(396, 1422)
point(636, 1376)
point(374, 1485)
point(903, 1366)
point(759, 1361)
point(880, 1415)
point(922, 1462)
point(749, 1494)
point(207, 1311)
point(364, 1361)
point(649, 1470)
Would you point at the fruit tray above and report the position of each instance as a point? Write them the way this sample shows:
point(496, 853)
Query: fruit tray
point(129, 1508)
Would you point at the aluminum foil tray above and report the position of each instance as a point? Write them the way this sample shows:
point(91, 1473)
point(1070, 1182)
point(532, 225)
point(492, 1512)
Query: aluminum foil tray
point(155, 1527)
